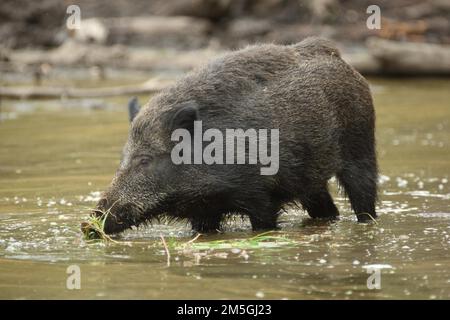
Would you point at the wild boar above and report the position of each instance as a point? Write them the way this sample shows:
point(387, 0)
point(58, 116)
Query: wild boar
point(321, 107)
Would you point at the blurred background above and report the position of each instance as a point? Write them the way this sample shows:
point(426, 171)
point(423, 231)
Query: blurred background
point(66, 77)
point(175, 36)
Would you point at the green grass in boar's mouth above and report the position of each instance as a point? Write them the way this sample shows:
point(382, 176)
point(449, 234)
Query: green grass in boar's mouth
point(94, 227)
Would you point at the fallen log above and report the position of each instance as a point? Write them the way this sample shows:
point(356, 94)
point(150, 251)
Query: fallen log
point(410, 58)
point(381, 57)
point(73, 53)
point(364, 62)
point(68, 92)
point(165, 32)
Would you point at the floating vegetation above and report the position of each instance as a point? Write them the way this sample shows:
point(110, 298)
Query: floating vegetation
point(221, 248)
point(264, 240)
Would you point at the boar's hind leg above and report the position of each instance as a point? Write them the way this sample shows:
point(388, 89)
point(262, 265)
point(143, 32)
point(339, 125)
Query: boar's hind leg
point(206, 224)
point(321, 205)
point(359, 180)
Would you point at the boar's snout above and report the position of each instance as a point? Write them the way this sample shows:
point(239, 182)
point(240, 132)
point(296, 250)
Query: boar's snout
point(118, 216)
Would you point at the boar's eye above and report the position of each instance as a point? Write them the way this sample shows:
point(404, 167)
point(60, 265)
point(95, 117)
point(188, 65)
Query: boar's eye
point(144, 161)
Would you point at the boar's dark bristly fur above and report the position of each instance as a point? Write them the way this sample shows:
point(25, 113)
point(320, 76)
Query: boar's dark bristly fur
point(325, 116)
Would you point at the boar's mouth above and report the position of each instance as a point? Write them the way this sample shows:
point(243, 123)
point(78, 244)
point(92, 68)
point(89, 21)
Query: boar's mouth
point(120, 218)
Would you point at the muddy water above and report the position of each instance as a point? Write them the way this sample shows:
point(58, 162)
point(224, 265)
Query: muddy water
point(55, 157)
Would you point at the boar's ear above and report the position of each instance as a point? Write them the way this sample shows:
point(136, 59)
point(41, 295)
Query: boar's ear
point(133, 108)
point(185, 116)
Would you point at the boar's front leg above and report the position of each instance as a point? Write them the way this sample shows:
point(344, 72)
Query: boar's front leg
point(320, 205)
point(265, 215)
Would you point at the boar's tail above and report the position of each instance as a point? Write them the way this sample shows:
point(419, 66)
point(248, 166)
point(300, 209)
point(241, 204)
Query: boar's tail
point(312, 46)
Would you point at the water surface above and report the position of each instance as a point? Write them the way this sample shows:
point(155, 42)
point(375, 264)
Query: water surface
point(56, 157)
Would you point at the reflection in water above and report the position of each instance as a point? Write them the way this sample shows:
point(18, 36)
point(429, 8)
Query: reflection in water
point(53, 163)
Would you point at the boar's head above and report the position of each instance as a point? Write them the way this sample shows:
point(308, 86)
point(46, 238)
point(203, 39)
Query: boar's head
point(147, 183)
